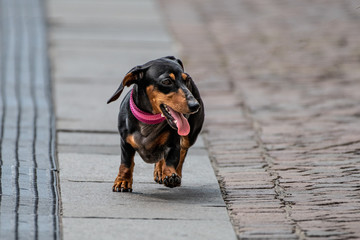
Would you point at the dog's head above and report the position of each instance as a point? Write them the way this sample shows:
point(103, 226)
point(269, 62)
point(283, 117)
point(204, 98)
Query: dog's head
point(168, 89)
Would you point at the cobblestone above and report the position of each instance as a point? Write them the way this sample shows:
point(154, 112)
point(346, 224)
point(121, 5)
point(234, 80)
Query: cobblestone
point(280, 82)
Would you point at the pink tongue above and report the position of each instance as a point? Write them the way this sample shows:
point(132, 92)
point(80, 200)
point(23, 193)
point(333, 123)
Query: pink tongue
point(182, 123)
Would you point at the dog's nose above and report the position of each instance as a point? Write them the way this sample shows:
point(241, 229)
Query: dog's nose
point(193, 105)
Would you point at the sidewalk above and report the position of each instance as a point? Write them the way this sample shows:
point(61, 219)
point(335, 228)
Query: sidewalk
point(93, 44)
point(280, 80)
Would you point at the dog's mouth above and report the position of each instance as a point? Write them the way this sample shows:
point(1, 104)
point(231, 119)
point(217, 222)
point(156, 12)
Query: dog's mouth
point(176, 120)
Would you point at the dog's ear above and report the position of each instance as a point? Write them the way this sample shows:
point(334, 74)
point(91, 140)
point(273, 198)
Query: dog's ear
point(134, 75)
point(176, 60)
point(180, 63)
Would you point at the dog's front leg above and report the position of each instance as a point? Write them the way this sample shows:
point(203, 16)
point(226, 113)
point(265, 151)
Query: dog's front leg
point(184, 146)
point(169, 176)
point(158, 169)
point(183, 153)
point(124, 179)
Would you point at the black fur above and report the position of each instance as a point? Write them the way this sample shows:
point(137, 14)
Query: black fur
point(155, 73)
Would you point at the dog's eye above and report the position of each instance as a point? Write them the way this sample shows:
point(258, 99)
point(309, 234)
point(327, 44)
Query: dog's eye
point(166, 82)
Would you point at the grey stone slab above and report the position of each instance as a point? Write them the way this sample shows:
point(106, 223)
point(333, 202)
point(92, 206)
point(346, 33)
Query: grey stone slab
point(100, 167)
point(83, 149)
point(88, 139)
point(78, 20)
point(87, 177)
point(66, 39)
point(114, 11)
point(83, 107)
point(149, 200)
point(101, 64)
point(127, 20)
point(89, 143)
point(77, 167)
point(144, 229)
point(127, 36)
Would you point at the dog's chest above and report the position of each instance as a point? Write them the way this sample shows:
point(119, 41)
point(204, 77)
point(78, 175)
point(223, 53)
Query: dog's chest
point(152, 143)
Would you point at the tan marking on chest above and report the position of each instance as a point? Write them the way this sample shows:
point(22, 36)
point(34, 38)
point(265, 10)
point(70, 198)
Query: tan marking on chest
point(159, 141)
point(130, 140)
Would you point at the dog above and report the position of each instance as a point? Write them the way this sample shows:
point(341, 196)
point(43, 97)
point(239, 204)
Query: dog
point(160, 118)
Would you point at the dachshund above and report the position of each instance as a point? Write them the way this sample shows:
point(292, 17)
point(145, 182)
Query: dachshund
point(160, 118)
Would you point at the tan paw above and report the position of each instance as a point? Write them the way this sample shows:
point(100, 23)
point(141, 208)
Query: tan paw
point(122, 185)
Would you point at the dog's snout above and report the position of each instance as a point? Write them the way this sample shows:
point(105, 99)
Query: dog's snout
point(193, 105)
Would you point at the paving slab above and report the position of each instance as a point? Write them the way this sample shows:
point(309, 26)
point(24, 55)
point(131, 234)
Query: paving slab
point(88, 101)
point(199, 189)
point(100, 63)
point(197, 203)
point(165, 229)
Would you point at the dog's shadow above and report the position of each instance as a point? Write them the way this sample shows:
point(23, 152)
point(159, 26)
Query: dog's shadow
point(206, 194)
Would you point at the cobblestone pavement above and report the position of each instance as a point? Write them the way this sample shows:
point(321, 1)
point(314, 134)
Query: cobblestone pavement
point(28, 171)
point(281, 85)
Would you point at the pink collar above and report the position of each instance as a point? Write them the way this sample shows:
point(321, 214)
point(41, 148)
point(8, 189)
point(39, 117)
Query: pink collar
point(142, 116)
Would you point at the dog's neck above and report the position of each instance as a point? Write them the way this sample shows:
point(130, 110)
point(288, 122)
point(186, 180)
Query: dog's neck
point(141, 100)
point(141, 115)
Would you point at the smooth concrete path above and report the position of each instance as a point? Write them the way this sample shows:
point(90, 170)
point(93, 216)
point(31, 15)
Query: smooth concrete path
point(94, 44)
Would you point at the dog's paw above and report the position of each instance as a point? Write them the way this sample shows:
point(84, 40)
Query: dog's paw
point(122, 185)
point(158, 176)
point(158, 171)
point(172, 181)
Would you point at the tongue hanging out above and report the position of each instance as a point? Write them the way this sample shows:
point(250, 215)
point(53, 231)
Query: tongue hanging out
point(181, 122)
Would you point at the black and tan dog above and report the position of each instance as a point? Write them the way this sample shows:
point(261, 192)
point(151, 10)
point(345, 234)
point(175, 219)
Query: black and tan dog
point(160, 119)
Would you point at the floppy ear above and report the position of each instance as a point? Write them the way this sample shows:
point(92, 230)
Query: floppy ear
point(176, 60)
point(131, 77)
point(180, 63)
